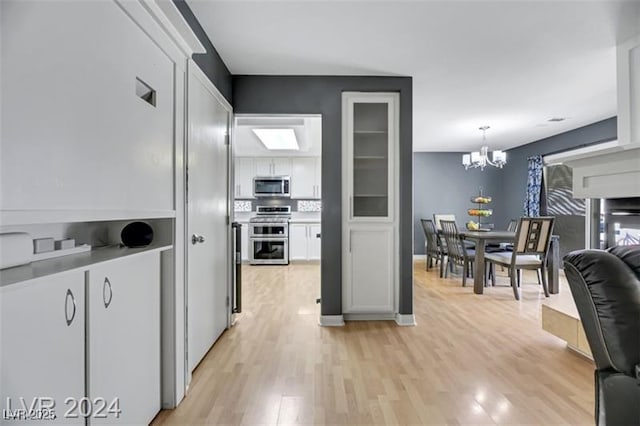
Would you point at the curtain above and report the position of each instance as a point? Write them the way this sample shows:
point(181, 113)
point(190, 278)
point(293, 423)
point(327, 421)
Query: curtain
point(532, 202)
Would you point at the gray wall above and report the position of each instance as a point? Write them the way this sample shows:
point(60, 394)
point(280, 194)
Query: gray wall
point(514, 178)
point(442, 185)
point(323, 95)
point(211, 62)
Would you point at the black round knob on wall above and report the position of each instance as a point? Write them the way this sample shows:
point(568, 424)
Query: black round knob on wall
point(137, 234)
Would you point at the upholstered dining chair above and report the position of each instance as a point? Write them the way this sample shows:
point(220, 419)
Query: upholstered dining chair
point(530, 249)
point(457, 253)
point(433, 245)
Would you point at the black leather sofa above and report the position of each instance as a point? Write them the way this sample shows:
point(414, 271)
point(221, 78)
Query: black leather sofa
point(606, 288)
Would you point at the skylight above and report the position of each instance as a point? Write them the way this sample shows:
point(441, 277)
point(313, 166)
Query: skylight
point(277, 139)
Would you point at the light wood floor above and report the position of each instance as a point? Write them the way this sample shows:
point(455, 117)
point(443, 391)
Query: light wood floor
point(470, 360)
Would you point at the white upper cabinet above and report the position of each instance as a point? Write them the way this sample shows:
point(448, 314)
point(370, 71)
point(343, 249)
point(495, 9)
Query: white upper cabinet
point(277, 166)
point(87, 110)
point(305, 177)
point(244, 172)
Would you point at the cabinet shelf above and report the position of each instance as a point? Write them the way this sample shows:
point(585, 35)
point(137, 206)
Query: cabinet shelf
point(370, 195)
point(370, 157)
point(42, 268)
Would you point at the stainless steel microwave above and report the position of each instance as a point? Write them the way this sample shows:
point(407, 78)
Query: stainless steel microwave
point(272, 186)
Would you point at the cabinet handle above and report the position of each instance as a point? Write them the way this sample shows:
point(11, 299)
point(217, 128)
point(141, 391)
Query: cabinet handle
point(105, 286)
point(349, 241)
point(350, 206)
point(68, 296)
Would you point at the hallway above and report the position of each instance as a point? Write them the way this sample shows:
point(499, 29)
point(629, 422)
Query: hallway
point(470, 360)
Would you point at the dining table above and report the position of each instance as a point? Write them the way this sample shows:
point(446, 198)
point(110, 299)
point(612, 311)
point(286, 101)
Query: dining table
point(481, 238)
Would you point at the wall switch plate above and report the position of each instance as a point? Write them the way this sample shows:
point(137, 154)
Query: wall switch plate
point(68, 243)
point(43, 245)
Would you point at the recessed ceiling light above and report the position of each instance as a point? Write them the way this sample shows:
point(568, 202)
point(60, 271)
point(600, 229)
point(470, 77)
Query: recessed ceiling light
point(277, 139)
point(557, 119)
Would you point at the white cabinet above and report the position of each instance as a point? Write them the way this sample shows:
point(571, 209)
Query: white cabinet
point(369, 272)
point(297, 241)
point(277, 166)
point(244, 173)
point(369, 203)
point(314, 245)
point(42, 330)
point(305, 177)
point(304, 243)
point(124, 336)
point(244, 249)
point(76, 134)
point(628, 58)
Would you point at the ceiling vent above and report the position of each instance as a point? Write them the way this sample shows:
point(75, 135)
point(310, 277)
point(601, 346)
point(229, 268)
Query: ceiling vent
point(556, 119)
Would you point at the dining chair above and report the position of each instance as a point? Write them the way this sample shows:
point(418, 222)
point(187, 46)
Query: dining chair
point(530, 248)
point(457, 253)
point(437, 217)
point(433, 246)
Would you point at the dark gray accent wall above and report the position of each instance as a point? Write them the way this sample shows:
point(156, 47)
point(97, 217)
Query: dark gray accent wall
point(323, 95)
point(211, 62)
point(514, 178)
point(442, 185)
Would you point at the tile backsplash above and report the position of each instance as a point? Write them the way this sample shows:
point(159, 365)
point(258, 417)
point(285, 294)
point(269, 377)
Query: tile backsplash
point(306, 206)
point(242, 206)
point(309, 206)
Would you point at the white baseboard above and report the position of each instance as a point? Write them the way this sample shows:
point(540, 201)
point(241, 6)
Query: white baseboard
point(406, 320)
point(370, 317)
point(331, 321)
point(419, 257)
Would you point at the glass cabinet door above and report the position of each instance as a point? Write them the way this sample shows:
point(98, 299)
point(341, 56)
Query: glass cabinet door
point(370, 160)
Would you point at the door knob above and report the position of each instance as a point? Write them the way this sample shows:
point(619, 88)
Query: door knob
point(195, 239)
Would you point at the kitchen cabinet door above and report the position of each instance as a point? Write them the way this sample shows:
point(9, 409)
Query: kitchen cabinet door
point(244, 178)
point(313, 247)
point(244, 249)
point(124, 337)
point(304, 178)
point(277, 166)
point(42, 329)
point(298, 235)
point(281, 166)
point(369, 270)
point(263, 167)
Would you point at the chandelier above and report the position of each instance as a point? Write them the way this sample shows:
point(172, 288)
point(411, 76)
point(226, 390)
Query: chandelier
point(481, 158)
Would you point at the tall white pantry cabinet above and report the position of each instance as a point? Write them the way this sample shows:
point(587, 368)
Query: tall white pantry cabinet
point(370, 205)
point(93, 137)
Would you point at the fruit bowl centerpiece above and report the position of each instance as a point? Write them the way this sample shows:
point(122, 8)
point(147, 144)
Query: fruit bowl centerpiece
point(480, 212)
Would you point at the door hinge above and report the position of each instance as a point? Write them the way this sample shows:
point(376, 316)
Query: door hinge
point(227, 300)
point(226, 139)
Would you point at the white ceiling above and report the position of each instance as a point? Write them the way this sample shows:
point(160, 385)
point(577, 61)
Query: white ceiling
point(308, 130)
point(510, 65)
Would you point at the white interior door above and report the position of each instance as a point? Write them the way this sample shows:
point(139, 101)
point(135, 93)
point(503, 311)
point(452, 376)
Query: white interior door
point(208, 206)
